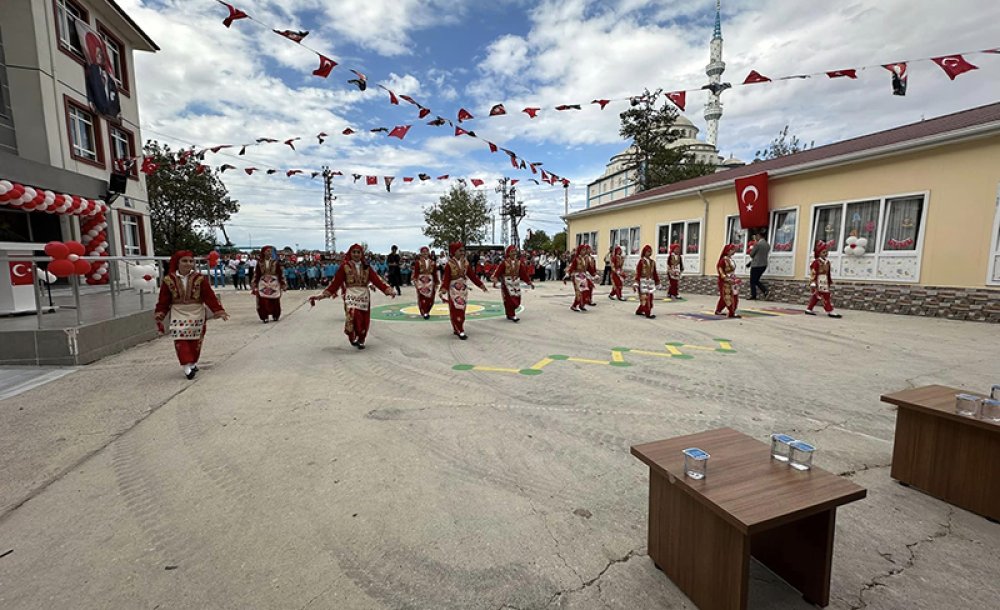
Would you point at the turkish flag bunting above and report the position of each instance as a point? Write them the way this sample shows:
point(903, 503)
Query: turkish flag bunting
point(755, 77)
point(407, 178)
point(493, 147)
point(477, 182)
point(514, 181)
point(290, 143)
point(464, 115)
point(679, 98)
point(532, 112)
point(388, 182)
point(498, 110)
point(423, 112)
point(852, 73)
point(292, 172)
point(272, 171)
point(347, 131)
point(250, 170)
point(321, 136)
point(325, 65)
point(995, 51)
point(408, 99)
point(393, 99)
point(459, 131)
point(216, 149)
point(20, 273)
point(534, 167)
point(223, 169)
point(293, 35)
point(399, 131)
point(444, 177)
point(899, 77)
point(234, 14)
point(371, 180)
point(513, 162)
point(751, 196)
point(603, 103)
point(953, 65)
point(568, 107)
point(565, 181)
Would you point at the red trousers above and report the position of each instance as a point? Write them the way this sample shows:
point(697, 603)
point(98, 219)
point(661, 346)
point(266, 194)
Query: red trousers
point(268, 307)
point(189, 350)
point(616, 286)
point(356, 324)
point(827, 304)
point(457, 317)
point(425, 304)
point(584, 296)
point(645, 304)
point(725, 290)
point(510, 303)
point(672, 289)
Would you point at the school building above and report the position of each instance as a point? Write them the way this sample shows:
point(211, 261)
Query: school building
point(925, 197)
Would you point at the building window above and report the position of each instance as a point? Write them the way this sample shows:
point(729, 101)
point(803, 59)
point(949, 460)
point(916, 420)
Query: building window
point(67, 12)
point(826, 229)
point(116, 55)
point(902, 224)
point(994, 277)
point(783, 225)
point(84, 134)
point(862, 221)
point(633, 240)
point(735, 233)
point(693, 243)
point(587, 239)
point(122, 145)
point(132, 234)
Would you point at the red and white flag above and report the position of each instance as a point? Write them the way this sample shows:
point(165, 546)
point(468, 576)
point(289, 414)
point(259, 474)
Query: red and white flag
point(899, 77)
point(325, 66)
point(954, 65)
point(751, 196)
point(493, 147)
point(371, 180)
point(602, 103)
point(399, 131)
point(460, 132)
point(464, 115)
point(851, 73)
point(497, 110)
point(234, 14)
point(755, 77)
point(532, 112)
point(294, 36)
point(679, 98)
point(392, 98)
point(477, 182)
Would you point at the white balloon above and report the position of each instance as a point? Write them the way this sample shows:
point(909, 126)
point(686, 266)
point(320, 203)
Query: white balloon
point(859, 251)
point(93, 233)
point(862, 242)
point(852, 240)
point(95, 277)
point(5, 186)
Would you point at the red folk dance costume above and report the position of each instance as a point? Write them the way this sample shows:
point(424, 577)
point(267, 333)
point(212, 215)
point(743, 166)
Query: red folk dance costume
point(820, 281)
point(354, 277)
point(267, 284)
point(729, 284)
point(582, 270)
point(182, 303)
point(425, 276)
point(675, 268)
point(512, 271)
point(617, 274)
point(646, 281)
point(455, 288)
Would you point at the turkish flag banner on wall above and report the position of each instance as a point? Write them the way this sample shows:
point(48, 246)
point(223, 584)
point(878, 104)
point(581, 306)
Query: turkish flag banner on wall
point(751, 196)
point(20, 273)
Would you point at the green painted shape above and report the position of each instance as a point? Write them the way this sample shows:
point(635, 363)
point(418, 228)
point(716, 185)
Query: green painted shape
point(683, 356)
point(621, 349)
point(530, 372)
point(725, 351)
point(675, 344)
point(393, 312)
point(558, 357)
point(722, 340)
point(614, 363)
point(463, 367)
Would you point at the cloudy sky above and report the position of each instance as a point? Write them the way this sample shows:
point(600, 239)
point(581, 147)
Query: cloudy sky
point(209, 85)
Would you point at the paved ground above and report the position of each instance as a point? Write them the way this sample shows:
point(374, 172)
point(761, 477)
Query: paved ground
point(297, 472)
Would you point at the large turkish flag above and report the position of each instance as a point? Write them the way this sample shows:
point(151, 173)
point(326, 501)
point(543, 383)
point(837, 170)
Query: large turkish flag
point(751, 195)
point(20, 273)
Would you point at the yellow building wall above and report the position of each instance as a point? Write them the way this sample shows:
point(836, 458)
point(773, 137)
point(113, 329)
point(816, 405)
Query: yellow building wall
point(961, 181)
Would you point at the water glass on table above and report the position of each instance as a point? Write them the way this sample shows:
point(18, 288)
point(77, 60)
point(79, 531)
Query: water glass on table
point(695, 463)
point(990, 410)
point(802, 455)
point(781, 449)
point(967, 405)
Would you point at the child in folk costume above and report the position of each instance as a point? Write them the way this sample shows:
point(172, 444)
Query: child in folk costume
point(820, 281)
point(268, 283)
point(617, 274)
point(646, 281)
point(675, 268)
point(354, 277)
point(583, 279)
point(512, 271)
point(729, 284)
point(425, 278)
point(455, 287)
point(590, 264)
point(184, 295)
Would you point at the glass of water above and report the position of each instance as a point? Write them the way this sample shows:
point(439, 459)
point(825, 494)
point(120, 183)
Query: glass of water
point(967, 405)
point(995, 392)
point(802, 455)
point(781, 449)
point(990, 410)
point(695, 463)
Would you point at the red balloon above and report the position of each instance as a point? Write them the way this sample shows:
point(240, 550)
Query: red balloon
point(76, 247)
point(61, 268)
point(16, 191)
point(56, 249)
point(81, 267)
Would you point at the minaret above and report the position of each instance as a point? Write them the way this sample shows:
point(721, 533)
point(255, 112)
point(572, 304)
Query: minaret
point(714, 70)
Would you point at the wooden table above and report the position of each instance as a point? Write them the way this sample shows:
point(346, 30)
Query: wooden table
point(703, 533)
point(954, 458)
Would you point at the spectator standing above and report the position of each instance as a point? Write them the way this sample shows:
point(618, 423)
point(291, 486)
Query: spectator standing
point(758, 265)
point(393, 262)
point(606, 278)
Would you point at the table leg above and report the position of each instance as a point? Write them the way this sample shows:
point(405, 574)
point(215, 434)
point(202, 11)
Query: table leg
point(800, 552)
point(705, 556)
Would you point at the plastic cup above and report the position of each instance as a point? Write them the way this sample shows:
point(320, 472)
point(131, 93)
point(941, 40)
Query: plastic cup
point(781, 449)
point(968, 405)
point(990, 410)
point(802, 455)
point(695, 463)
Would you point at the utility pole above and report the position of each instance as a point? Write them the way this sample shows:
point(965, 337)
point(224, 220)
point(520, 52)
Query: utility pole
point(328, 199)
point(566, 207)
point(511, 213)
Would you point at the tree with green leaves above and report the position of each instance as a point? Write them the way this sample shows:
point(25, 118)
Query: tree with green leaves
point(461, 215)
point(558, 243)
point(653, 156)
point(781, 146)
point(185, 206)
point(538, 240)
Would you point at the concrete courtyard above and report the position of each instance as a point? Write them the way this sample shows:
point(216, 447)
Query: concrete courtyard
point(427, 472)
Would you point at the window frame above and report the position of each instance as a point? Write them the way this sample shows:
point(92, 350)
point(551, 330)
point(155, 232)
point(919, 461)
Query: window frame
point(133, 172)
point(69, 103)
point(993, 269)
point(110, 39)
point(140, 230)
point(68, 49)
point(637, 250)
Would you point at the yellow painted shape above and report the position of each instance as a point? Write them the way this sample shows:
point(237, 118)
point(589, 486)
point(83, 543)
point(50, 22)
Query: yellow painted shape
point(541, 364)
point(588, 361)
point(645, 353)
point(708, 349)
point(493, 369)
point(617, 357)
point(673, 350)
point(725, 345)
